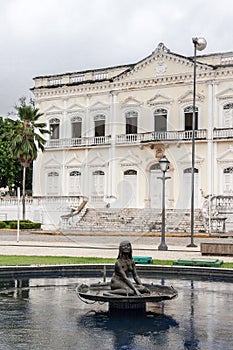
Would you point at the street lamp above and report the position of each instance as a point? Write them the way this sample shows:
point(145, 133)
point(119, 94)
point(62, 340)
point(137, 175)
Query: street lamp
point(164, 166)
point(199, 44)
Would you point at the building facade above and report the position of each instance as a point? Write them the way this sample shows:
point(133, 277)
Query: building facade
point(110, 127)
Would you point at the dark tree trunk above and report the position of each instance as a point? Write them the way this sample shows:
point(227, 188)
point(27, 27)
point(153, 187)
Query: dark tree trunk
point(23, 194)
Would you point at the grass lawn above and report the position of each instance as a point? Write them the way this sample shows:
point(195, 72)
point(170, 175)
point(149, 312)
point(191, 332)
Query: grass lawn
point(20, 260)
point(13, 260)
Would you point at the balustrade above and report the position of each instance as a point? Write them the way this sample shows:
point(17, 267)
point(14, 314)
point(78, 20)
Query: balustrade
point(97, 199)
point(185, 135)
point(223, 133)
point(161, 136)
point(222, 203)
point(78, 142)
point(8, 201)
point(43, 200)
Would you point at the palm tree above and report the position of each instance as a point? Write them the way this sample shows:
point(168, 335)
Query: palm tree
point(26, 139)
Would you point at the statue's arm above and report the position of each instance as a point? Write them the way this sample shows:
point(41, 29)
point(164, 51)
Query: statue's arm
point(135, 275)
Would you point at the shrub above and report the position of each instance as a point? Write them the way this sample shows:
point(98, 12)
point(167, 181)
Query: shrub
point(25, 225)
point(2, 224)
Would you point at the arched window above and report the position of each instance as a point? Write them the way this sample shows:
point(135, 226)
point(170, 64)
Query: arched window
point(76, 124)
point(99, 121)
point(160, 119)
point(155, 166)
point(54, 126)
point(53, 173)
point(188, 118)
point(75, 183)
point(98, 172)
point(189, 170)
point(53, 183)
point(228, 115)
point(130, 172)
point(128, 189)
point(228, 180)
point(131, 122)
point(156, 186)
point(187, 188)
point(228, 170)
point(98, 183)
point(75, 173)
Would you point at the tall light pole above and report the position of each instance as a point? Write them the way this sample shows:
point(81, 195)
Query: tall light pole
point(164, 165)
point(199, 44)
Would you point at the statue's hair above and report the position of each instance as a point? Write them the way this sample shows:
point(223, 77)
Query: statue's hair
point(120, 254)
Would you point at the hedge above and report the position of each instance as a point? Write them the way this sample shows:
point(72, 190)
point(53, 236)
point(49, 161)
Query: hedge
point(23, 224)
point(2, 224)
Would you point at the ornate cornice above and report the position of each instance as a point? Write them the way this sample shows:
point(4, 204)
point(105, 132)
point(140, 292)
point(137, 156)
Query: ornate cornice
point(98, 88)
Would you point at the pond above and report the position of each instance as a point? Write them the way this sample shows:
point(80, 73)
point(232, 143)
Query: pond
point(47, 314)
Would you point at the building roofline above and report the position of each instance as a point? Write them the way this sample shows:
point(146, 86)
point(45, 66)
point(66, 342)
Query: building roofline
point(129, 67)
point(84, 71)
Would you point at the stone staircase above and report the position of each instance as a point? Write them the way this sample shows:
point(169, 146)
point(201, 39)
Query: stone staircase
point(129, 220)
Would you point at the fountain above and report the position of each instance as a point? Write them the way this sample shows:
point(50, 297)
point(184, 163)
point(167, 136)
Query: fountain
point(121, 293)
point(40, 313)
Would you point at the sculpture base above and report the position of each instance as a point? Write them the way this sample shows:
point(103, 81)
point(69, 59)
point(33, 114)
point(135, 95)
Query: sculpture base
point(127, 306)
point(101, 292)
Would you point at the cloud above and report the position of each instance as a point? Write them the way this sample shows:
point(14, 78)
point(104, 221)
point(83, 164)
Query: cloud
point(42, 37)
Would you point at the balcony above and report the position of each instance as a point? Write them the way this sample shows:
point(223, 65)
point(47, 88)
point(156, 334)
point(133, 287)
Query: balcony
point(125, 139)
point(161, 136)
point(220, 134)
point(78, 142)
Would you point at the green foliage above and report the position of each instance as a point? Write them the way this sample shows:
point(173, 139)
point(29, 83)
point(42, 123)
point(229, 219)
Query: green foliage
point(23, 224)
point(25, 138)
point(20, 260)
point(2, 224)
point(16, 260)
point(162, 262)
point(228, 265)
point(26, 133)
point(10, 169)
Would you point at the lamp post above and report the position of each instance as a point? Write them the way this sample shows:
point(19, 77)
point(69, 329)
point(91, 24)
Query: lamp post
point(164, 165)
point(199, 44)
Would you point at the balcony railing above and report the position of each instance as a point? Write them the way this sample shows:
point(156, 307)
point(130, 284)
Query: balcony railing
point(222, 203)
point(226, 133)
point(185, 135)
point(78, 142)
point(127, 139)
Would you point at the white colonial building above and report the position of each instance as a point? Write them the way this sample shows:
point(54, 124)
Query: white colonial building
point(110, 126)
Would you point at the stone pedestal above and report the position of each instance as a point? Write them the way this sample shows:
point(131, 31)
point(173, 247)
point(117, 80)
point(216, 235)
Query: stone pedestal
point(127, 305)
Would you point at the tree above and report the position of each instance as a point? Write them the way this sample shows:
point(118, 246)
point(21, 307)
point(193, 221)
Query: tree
point(26, 138)
point(9, 167)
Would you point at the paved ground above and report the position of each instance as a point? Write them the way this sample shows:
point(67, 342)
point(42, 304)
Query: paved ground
point(100, 246)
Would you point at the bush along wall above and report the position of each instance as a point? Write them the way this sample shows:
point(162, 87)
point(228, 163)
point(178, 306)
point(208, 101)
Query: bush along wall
point(23, 224)
point(2, 224)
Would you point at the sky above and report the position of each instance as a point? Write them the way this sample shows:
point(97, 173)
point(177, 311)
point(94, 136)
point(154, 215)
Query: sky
point(43, 37)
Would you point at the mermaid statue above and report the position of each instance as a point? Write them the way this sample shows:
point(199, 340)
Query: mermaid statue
point(121, 283)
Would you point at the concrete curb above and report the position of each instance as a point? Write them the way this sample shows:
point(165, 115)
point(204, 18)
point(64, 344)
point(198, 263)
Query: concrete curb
point(116, 234)
point(99, 270)
point(103, 234)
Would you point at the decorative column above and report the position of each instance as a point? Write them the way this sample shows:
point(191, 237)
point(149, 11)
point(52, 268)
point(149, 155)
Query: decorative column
point(86, 184)
point(211, 116)
point(112, 149)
